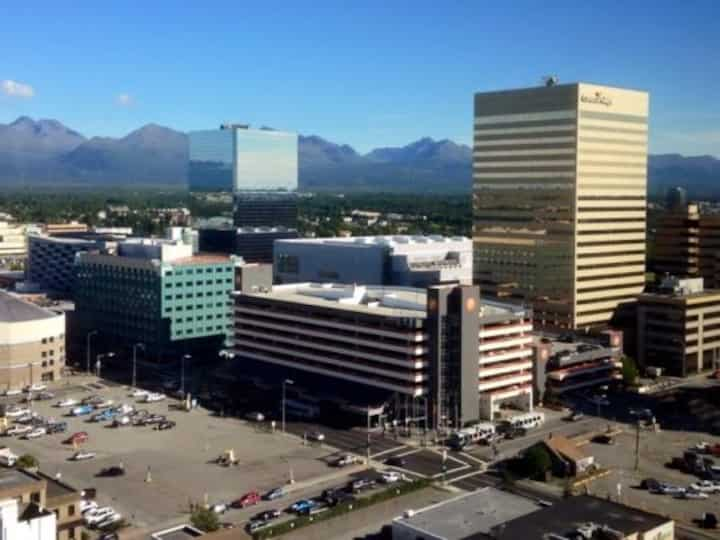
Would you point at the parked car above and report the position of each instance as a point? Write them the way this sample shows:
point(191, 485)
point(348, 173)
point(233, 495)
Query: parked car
point(15, 412)
point(390, 477)
point(121, 421)
point(86, 505)
point(344, 461)
point(112, 471)
point(273, 494)
point(12, 392)
point(338, 496)
point(316, 436)
point(705, 486)
point(255, 525)
point(691, 494)
point(165, 424)
point(67, 402)
point(82, 456)
point(77, 438)
point(91, 400)
point(36, 433)
point(104, 403)
point(395, 461)
point(93, 517)
point(575, 416)
point(45, 396)
point(37, 387)
point(362, 484)
point(267, 515)
point(124, 409)
point(82, 410)
point(18, 430)
point(138, 393)
point(709, 520)
point(668, 489)
point(153, 397)
point(650, 484)
point(109, 520)
point(301, 505)
point(603, 439)
point(641, 413)
point(155, 418)
point(219, 508)
point(104, 416)
point(249, 499)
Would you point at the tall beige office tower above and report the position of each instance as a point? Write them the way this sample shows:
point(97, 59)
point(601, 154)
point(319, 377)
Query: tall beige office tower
point(559, 190)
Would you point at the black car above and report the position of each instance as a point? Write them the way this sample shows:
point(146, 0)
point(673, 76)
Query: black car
point(650, 484)
point(603, 439)
point(338, 497)
point(167, 424)
point(709, 521)
point(395, 461)
point(113, 471)
point(59, 427)
point(267, 515)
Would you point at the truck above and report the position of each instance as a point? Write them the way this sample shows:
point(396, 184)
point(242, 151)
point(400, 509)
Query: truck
point(7, 457)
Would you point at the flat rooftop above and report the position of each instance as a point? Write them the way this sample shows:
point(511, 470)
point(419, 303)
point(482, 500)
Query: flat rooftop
point(388, 240)
point(201, 258)
point(474, 513)
point(14, 309)
point(567, 515)
point(15, 478)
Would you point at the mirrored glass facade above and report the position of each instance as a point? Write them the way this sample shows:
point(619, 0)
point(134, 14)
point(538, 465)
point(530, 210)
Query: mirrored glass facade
point(211, 161)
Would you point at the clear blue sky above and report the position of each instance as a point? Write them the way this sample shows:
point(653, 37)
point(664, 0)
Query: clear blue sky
point(369, 73)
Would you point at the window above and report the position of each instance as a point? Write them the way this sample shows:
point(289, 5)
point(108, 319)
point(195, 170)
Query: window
point(71, 533)
point(52, 353)
point(44, 364)
point(43, 354)
point(71, 510)
point(43, 341)
point(52, 339)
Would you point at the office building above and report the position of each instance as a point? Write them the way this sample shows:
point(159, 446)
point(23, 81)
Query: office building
point(158, 293)
point(37, 506)
point(677, 243)
point(678, 327)
point(559, 195)
point(51, 260)
point(13, 243)
point(259, 166)
point(405, 261)
point(439, 353)
point(32, 343)
point(253, 244)
point(489, 513)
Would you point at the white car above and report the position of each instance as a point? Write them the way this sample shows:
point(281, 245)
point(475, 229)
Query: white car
point(316, 436)
point(690, 494)
point(35, 387)
point(36, 433)
point(153, 397)
point(219, 508)
point(110, 520)
point(87, 506)
point(705, 486)
point(93, 517)
point(18, 430)
point(82, 456)
point(121, 421)
point(12, 392)
point(17, 411)
point(390, 477)
point(67, 402)
point(139, 393)
point(104, 404)
point(124, 409)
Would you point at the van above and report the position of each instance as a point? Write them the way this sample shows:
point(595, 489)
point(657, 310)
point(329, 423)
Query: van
point(472, 434)
point(526, 421)
point(7, 457)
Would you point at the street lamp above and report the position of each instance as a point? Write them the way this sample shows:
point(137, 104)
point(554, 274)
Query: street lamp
point(182, 372)
point(91, 333)
point(98, 364)
point(134, 373)
point(285, 382)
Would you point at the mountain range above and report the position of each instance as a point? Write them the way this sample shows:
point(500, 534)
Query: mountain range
point(42, 152)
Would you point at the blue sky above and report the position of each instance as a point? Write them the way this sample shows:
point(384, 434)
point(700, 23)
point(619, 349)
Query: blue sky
point(370, 73)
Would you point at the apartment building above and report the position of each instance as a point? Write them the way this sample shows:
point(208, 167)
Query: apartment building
point(158, 293)
point(32, 343)
point(420, 349)
point(679, 327)
point(559, 196)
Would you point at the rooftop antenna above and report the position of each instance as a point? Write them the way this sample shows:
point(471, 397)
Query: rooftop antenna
point(550, 80)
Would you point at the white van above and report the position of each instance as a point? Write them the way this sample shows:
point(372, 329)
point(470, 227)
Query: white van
point(471, 434)
point(7, 457)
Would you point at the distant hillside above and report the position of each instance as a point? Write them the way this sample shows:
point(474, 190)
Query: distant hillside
point(47, 152)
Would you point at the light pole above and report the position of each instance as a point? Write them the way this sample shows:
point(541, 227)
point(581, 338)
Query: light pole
point(182, 372)
point(98, 364)
point(134, 373)
point(91, 333)
point(285, 382)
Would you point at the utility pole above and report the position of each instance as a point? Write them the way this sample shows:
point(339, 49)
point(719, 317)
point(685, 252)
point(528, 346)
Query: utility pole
point(368, 435)
point(637, 446)
point(134, 373)
point(87, 350)
point(285, 381)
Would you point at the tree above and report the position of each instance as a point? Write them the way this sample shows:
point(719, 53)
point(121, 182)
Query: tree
point(205, 519)
point(27, 461)
point(536, 461)
point(630, 371)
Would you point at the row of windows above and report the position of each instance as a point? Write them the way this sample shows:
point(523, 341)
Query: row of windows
point(170, 284)
point(170, 309)
point(219, 328)
point(192, 295)
point(190, 271)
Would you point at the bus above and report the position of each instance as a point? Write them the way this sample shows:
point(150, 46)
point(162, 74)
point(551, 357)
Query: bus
point(525, 421)
point(472, 434)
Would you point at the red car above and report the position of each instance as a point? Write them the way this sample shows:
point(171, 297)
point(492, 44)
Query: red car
point(248, 499)
point(77, 438)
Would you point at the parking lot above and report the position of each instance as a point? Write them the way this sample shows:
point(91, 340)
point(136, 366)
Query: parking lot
point(178, 462)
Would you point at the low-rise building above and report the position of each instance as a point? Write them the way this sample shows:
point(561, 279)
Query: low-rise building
point(405, 261)
point(567, 458)
point(679, 327)
point(32, 343)
point(493, 514)
point(420, 349)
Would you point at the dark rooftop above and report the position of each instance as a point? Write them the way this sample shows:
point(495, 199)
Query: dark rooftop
point(13, 309)
point(15, 478)
point(56, 488)
point(566, 515)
